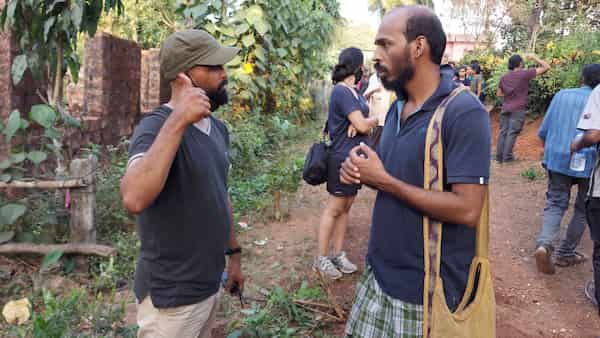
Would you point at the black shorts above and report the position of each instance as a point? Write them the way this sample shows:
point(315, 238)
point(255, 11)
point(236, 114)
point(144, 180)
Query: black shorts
point(334, 186)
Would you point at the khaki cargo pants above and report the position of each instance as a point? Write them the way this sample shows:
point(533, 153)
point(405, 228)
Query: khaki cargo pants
point(188, 321)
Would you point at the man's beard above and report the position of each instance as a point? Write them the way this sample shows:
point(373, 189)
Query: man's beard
point(405, 74)
point(219, 97)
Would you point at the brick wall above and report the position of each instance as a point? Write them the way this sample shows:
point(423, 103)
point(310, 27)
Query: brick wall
point(21, 96)
point(111, 87)
point(150, 80)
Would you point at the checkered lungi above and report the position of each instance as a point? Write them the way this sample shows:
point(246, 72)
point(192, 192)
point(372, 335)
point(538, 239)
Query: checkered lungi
point(377, 315)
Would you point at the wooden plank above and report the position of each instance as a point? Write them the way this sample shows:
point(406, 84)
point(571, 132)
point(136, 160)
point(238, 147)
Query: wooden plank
point(65, 184)
point(71, 248)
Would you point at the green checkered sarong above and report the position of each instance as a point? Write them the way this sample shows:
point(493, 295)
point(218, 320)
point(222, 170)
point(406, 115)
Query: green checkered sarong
point(377, 315)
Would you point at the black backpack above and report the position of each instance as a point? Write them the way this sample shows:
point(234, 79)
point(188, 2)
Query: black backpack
point(315, 164)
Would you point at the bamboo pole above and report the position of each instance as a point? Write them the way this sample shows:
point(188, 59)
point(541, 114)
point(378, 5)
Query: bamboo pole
point(71, 248)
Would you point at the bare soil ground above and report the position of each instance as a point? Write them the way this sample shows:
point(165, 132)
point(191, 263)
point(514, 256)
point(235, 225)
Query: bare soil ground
point(529, 304)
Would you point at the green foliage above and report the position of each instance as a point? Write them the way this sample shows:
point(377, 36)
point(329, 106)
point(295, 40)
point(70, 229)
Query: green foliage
point(51, 258)
point(281, 316)
point(567, 58)
point(146, 22)
point(532, 174)
point(47, 34)
point(269, 84)
point(75, 315)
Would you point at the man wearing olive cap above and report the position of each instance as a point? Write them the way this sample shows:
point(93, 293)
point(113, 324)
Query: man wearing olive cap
point(176, 182)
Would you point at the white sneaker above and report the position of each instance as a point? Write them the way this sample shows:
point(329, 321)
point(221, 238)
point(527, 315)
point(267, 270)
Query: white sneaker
point(343, 263)
point(324, 266)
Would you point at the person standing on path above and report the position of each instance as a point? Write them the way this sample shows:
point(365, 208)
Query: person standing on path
point(410, 44)
point(176, 182)
point(380, 100)
point(514, 89)
point(590, 123)
point(348, 124)
point(557, 131)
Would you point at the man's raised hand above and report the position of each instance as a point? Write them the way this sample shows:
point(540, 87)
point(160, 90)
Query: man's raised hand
point(189, 102)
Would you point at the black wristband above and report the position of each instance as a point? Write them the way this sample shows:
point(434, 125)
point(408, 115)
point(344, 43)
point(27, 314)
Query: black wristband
point(233, 251)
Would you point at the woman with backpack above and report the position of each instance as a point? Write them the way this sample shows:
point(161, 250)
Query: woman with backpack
point(348, 125)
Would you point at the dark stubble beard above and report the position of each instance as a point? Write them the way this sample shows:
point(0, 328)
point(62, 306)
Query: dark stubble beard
point(406, 73)
point(219, 97)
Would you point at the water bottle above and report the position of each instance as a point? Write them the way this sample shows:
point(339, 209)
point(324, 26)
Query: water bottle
point(578, 158)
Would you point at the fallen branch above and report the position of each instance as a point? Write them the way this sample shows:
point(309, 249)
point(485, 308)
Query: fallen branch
point(71, 248)
point(66, 184)
point(330, 316)
point(306, 302)
point(338, 309)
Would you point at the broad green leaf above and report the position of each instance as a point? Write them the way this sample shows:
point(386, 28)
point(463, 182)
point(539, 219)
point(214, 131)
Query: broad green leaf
point(199, 11)
point(17, 158)
point(74, 68)
point(227, 31)
point(13, 124)
point(262, 27)
point(254, 14)
point(43, 114)
point(37, 157)
point(52, 133)
point(10, 213)
point(10, 11)
point(48, 26)
point(24, 124)
point(241, 28)
point(18, 68)
point(260, 53)
point(248, 40)
point(5, 164)
point(71, 121)
point(5, 177)
point(51, 258)
point(211, 28)
point(76, 14)
point(6, 236)
point(282, 52)
point(235, 61)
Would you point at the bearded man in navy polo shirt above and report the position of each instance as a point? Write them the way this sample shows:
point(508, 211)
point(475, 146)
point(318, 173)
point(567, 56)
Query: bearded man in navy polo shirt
point(389, 298)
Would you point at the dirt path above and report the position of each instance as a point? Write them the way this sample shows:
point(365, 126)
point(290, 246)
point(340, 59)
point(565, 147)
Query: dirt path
point(529, 304)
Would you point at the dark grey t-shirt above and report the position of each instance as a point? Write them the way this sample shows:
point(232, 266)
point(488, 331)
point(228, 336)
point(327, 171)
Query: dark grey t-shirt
point(184, 232)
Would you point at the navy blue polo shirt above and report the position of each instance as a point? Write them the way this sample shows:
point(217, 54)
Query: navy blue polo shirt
point(396, 244)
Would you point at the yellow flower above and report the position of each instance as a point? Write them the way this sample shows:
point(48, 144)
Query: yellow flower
point(550, 45)
point(247, 68)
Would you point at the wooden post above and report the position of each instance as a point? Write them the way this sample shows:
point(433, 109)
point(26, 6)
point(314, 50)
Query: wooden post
point(83, 201)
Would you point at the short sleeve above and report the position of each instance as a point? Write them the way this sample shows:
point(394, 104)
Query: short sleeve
point(145, 134)
point(467, 141)
point(590, 118)
point(530, 73)
point(345, 101)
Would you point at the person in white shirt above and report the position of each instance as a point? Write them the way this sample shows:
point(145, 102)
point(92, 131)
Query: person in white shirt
point(380, 100)
point(590, 123)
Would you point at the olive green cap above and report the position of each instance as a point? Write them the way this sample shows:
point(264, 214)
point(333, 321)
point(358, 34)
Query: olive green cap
point(189, 48)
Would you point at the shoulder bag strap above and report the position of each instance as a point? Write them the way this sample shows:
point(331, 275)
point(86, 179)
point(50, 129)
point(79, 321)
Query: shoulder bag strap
point(432, 229)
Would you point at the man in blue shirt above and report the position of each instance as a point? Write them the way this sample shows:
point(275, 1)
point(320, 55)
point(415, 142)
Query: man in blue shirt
point(557, 131)
point(389, 299)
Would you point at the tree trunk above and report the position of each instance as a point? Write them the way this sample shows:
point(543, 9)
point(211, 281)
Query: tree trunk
point(58, 77)
point(533, 23)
